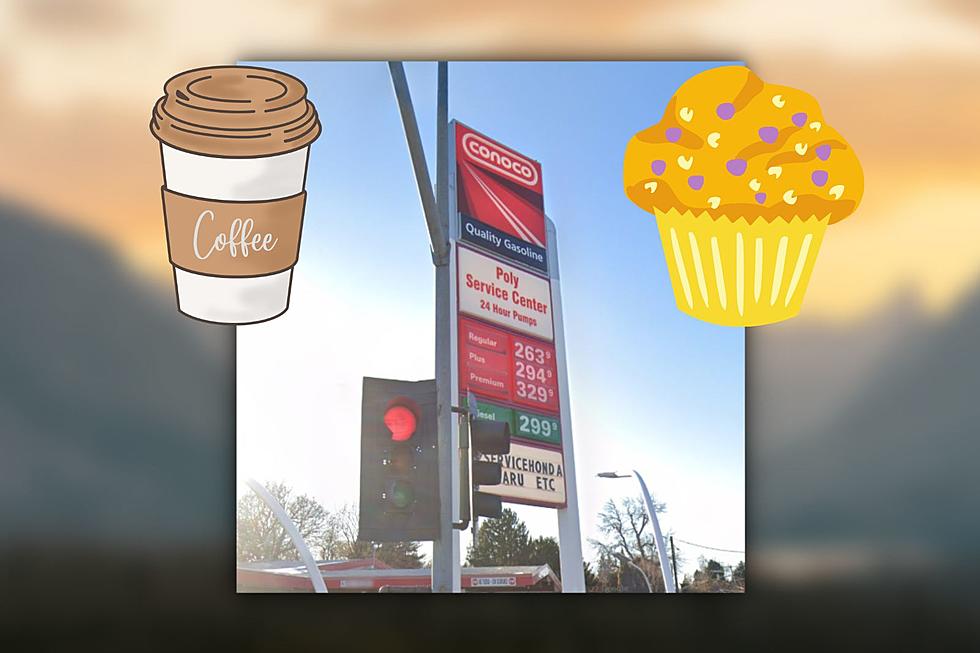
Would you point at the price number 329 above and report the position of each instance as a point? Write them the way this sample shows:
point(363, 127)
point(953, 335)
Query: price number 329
point(534, 392)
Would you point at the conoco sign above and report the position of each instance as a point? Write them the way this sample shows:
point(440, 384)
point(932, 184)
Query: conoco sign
point(499, 198)
point(497, 158)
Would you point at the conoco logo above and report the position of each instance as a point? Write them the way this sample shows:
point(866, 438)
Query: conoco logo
point(505, 162)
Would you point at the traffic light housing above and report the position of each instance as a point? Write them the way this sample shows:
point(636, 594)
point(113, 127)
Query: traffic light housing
point(399, 499)
point(487, 438)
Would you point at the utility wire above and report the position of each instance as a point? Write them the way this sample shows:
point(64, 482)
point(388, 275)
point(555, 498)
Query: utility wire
point(713, 548)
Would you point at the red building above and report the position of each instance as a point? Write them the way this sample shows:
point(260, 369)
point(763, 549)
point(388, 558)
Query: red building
point(367, 575)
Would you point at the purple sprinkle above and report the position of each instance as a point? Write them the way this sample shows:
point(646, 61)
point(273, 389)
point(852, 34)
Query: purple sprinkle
point(725, 110)
point(695, 182)
point(823, 152)
point(799, 119)
point(819, 177)
point(658, 167)
point(673, 134)
point(769, 134)
point(736, 166)
point(760, 197)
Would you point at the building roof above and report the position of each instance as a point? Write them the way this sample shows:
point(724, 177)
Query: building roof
point(368, 575)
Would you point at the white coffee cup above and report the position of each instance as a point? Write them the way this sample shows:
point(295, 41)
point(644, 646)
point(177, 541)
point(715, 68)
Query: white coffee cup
point(215, 152)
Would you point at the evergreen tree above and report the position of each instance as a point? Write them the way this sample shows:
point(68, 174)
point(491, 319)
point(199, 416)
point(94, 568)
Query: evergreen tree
point(710, 577)
point(500, 542)
point(738, 574)
point(545, 551)
point(400, 555)
point(592, 583)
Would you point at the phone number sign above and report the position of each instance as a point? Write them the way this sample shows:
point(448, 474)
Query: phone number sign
point(511, 367)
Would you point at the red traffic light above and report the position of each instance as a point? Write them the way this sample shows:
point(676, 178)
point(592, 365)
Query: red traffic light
point(401, 421)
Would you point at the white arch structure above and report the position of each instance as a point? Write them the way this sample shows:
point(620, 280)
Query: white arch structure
point(311, 567)
point(669, 581)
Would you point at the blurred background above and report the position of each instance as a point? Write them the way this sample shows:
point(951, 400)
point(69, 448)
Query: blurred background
point(862, 415)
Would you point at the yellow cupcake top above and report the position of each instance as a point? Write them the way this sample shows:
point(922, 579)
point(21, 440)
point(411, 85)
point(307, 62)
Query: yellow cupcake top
point(732, 145)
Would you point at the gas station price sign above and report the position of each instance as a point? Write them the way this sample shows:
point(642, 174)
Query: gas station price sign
point(536, 427)
point(534, 373)
point(511, 367)
point(523, 424)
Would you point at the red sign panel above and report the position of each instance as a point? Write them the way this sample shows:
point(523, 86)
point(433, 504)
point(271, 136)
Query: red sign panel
point(518, 369)
point(498, 186)
point(535, 375)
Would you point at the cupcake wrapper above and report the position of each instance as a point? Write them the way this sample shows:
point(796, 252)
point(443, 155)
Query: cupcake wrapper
point(734, 273)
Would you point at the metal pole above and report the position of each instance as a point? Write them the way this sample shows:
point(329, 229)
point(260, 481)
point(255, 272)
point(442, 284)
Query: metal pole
point(673, 558)
point(442, 152)
point(445, 550)
point(569, 530)
point(438, 236)
point(661, 549)
point(311, 568)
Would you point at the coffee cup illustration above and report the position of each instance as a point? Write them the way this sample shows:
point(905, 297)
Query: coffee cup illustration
point(234, 144)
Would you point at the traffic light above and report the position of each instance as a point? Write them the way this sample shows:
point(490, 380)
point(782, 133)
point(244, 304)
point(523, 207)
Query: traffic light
point(399, 462)
point(487, 438)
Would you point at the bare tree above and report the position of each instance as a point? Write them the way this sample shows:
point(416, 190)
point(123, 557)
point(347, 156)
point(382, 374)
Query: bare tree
point(260, 535)
point(339, 541)
point(333, 543)
point(343, 542)
point(624, 527)
point(625, 531)
point(330, 535)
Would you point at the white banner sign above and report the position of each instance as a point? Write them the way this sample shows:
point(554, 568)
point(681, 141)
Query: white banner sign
point(530, 475)
point(503, 294)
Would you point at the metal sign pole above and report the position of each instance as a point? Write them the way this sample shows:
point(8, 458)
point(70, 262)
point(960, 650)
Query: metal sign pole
point(569, 530)
point(446, 573)
point(673, 560)
point(445, 550)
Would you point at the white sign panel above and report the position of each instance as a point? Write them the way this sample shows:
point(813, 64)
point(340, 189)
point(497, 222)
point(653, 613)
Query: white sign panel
point(503, 294)
point(531, 475)
point(493, 581)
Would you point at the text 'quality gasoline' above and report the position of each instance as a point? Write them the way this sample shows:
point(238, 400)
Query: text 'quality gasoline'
point(497, 240)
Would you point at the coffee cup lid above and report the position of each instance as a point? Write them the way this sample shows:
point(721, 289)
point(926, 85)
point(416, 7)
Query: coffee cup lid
point(235, 112)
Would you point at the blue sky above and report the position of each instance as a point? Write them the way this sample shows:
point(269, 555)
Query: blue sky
point(650, 387)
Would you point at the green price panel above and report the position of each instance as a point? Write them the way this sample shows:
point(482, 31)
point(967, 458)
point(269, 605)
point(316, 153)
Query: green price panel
point(494, 412)
point(522, 423)
point(536, 427)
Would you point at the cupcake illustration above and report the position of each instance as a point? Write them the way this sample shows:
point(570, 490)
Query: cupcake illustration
point(743, 177)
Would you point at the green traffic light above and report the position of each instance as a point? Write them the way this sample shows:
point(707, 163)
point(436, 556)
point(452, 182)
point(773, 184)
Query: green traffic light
point(402, 494)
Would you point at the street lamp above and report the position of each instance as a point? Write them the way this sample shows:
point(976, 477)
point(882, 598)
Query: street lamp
point(669, 583)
